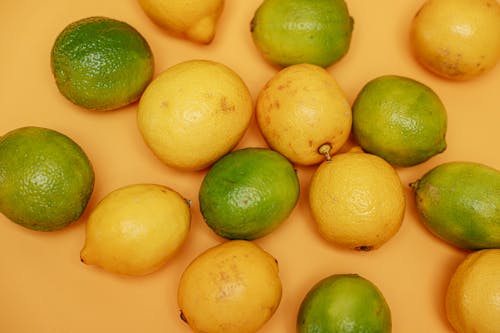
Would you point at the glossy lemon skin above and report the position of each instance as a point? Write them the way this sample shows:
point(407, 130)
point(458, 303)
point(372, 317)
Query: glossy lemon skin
point(195, 20)
point(457, 39)
point(472, 299)
point(357, 200)
point(233, 287)
point(193, 113)
point(135, 229)
point(302, 108)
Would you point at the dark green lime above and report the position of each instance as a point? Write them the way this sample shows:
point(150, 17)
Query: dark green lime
point(46, 179)
point(344, 303)
point(248, 193)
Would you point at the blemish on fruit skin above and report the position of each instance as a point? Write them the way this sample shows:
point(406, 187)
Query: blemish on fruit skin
point(226, 106)
point(364, 248)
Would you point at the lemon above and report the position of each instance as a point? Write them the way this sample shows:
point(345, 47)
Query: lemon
point(46, 179)
point(194, 113)
point(357, 200)
point(457, 39)
point(248, 193)
point(344, 303)
point(233, 287)
point(302, 31)
point(101, 63)
point(459, 202)
point(195, 20)
point(135, 229)
point(301, 109)
point(472, 297)
point(400, 120)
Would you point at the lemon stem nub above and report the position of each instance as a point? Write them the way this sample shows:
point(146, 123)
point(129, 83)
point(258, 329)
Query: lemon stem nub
point(324, 149)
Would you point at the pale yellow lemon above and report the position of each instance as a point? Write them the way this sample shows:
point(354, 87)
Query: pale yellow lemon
point(473, 294)
point(302, 108)
point(194, 19)
point(457, 39)
point(357, 200)
point(194, 112)
point(233, 287)
point(135, 229)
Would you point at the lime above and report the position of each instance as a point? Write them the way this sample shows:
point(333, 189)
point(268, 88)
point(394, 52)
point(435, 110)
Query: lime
point(101, 63)
point(135, 229)
point(46, 179)
point(400, 120)
point(344, 303)
point(233, 287)
point(248, 193)
point(288, 32)
point(459, 202)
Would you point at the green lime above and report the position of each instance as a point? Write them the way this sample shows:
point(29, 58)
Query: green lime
point(248, 193)
point(344, 303)
point(289, 32)
point(101, 63)
point(400, 120)
point(460, 203)
point(46, 179)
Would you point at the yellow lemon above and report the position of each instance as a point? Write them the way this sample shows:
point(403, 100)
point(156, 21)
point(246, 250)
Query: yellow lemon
point(194, 19)
point(233, 287)
point(357, 200)
point(473, 295)
point(457, 39)
point(194, 113)
point(301, 109)
point(135, 229)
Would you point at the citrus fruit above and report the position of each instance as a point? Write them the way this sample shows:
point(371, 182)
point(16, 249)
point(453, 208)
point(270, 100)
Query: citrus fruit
point(400, 120)
point(357, 200)
point(457, 39)
point(302, 31)
point(248, 193)
point(233, 287)
point(101, 63)
point(301, 109)
point(135, 229)
point(195, 20)
point(459, 203)
point(472, 297)
point(344, 303)
point(46, 179)
point(193, 113)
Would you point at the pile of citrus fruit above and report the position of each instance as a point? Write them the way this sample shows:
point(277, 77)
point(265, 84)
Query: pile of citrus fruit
point(193, 115)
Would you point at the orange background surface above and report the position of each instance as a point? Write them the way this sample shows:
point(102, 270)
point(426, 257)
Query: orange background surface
point(44, 287)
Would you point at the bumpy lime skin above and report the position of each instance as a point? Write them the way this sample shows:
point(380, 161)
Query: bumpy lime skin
point(407, 120)
point(296, 36)
point(459, 202)
point(344, 303)
point(248, 193)
point(29, 194)
point(101, 63)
